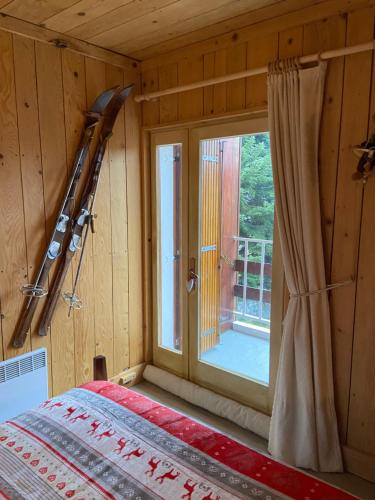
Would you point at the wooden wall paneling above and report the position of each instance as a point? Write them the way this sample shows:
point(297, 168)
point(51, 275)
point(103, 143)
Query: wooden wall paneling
point(359, 463)
point(260, 52)
point(150, 83)
point(119, 235)
point(291, 42)
point(80, 324)
point(317, 37)
point(348, 207)
point(133, 174)
point(215, 98)
point(208, 92)
point(53, 152)
point(147, 246)
point(13, 258)
point(31, 167)
point(220, 90)
point(236, 90)
point(362, 403)
point(190, 104)
point(97, 266)
point(75, 103)
point(168, 77)
point(44, 93)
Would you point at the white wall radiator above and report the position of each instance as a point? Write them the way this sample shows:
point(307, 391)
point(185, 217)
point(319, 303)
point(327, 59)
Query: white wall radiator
point(23, 383)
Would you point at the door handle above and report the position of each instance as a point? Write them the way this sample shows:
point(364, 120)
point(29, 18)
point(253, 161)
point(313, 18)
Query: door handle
point(191, 282)
point(192, 277)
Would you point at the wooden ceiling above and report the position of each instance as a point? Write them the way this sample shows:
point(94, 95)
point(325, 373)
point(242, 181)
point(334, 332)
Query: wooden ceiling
point(145, 28)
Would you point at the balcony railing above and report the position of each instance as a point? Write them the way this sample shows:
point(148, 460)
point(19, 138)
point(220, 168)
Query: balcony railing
point(254, 260)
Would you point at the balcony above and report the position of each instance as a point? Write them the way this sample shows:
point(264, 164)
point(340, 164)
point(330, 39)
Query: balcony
point(244, 333)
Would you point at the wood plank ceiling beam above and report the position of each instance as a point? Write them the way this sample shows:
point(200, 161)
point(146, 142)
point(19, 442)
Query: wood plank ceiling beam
point(30, 30)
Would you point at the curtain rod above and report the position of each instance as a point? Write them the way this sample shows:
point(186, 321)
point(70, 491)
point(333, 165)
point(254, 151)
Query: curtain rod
point(328, 54)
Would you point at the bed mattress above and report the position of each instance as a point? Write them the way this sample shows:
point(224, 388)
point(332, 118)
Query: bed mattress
point(104, 441)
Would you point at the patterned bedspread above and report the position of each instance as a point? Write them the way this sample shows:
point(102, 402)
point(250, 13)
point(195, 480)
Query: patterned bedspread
point(105, 441)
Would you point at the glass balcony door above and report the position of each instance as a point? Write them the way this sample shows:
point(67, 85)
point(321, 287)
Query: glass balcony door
point(234, 325)
point(217, 275)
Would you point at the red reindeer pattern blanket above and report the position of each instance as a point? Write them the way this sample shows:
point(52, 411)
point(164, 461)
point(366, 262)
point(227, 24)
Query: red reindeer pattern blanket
point(104, 441)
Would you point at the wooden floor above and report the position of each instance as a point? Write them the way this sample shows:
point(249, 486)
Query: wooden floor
point(355, 485)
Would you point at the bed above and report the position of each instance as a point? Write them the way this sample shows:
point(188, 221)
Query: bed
point(105, 441)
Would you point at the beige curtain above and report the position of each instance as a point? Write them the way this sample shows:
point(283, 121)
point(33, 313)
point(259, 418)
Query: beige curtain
point(303, 425)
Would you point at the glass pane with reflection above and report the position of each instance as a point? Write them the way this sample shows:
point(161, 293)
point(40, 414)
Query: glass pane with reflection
point(169, 245)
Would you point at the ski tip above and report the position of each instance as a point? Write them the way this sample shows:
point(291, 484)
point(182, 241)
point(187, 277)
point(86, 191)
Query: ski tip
point(103, 100)
point(127, 90)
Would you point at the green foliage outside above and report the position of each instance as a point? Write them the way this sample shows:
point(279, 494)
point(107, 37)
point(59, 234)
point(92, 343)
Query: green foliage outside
point(256, 188)
point(256, 197)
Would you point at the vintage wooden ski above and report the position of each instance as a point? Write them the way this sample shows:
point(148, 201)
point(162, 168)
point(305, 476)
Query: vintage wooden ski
point(83, 218)
point(37, 290)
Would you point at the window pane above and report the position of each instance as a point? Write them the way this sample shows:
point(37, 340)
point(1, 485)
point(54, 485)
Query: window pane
point(169, 194)
point(237, 218)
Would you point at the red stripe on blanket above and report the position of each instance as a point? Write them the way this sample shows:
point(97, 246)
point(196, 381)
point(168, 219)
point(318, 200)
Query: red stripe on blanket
point(240, 458)
point(64, 459)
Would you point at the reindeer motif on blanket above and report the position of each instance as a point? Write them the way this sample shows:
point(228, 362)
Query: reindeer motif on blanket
point(168, 475)
point(105, 434)
point(81, 416)
point(153, 463)
point(134, 453)
point(210, 497)
point(189, 486)
point(121, 445)
point(69, 412)
point(95, 424)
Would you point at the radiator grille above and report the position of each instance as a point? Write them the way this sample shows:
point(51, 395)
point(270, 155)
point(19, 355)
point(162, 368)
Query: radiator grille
point(39, 360)
point(23, 383)
point(22, 366)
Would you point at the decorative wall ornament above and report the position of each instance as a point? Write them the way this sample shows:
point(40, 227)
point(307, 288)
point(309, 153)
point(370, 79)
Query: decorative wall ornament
point(366, 165)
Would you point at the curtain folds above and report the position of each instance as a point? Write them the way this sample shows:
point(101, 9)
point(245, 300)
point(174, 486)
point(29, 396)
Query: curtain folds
point(303, 425)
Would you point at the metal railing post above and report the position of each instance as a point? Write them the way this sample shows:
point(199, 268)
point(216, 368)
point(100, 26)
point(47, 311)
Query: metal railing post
point(244, 291)
point(261, 284)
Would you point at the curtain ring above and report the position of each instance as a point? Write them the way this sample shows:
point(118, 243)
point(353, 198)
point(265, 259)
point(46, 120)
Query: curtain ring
point(272, 68)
